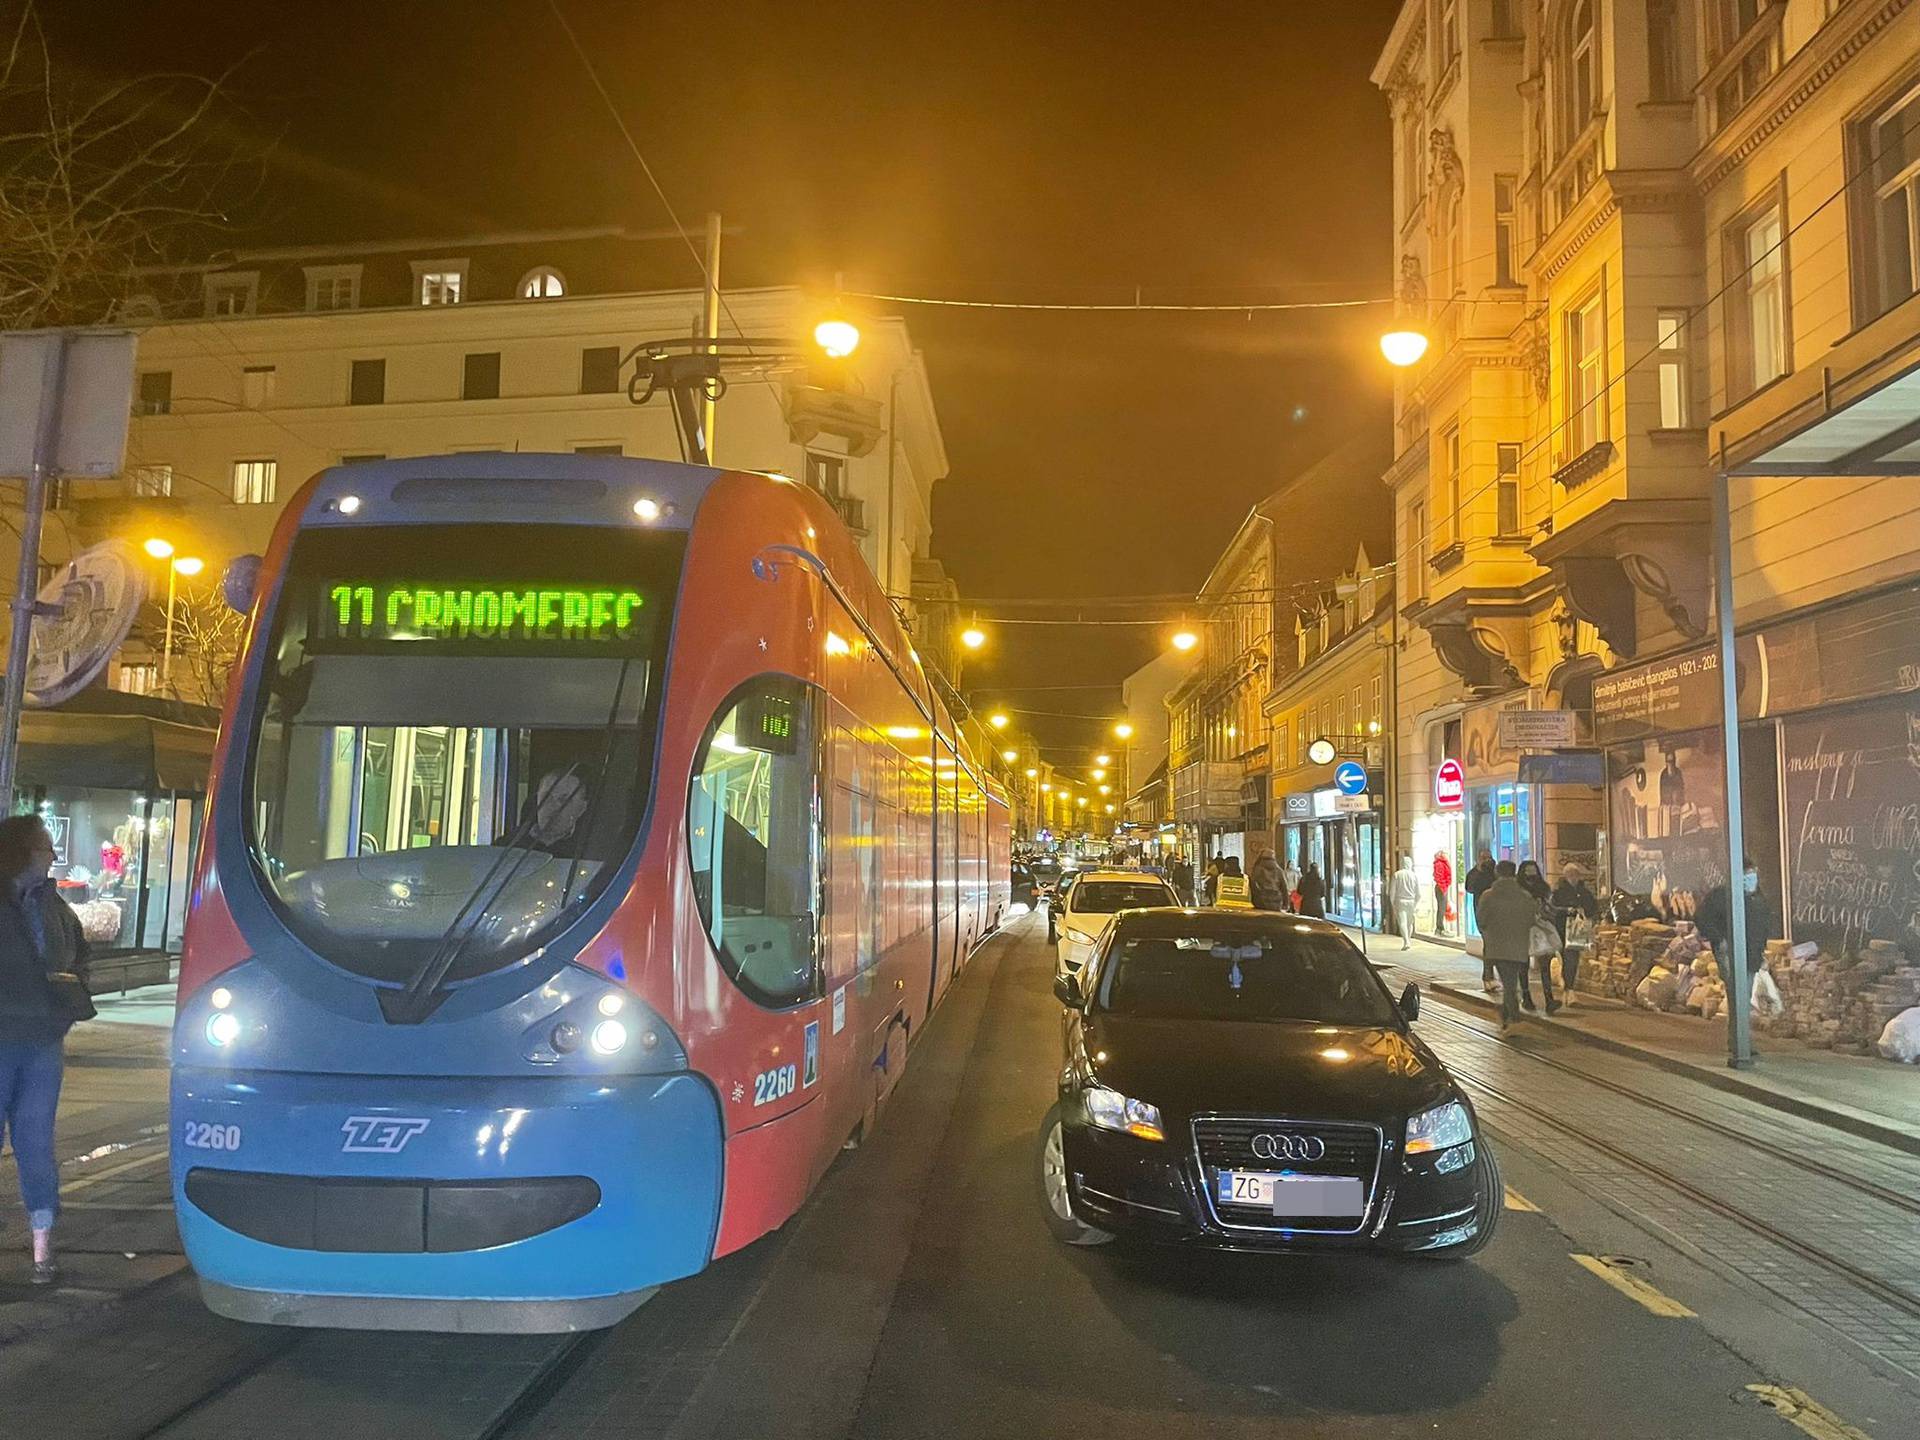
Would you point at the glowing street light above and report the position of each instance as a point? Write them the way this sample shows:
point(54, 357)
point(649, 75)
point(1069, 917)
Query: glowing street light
point(188, 565)
point(1103, 759)
point(1099, 774)
point(998, 720)
point(1403, 347)
point(1035, 775)
point(1123, 730)
point(1184, 640)
point(159, 549)
point(837, 336)
point(973, 637)
point(1106, 789)
point(1009, 755)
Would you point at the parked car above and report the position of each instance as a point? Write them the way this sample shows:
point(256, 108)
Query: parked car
point(1094, 898)
point(1245, 1081)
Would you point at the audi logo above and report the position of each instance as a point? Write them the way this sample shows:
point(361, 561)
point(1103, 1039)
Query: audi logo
point(1289, 1147)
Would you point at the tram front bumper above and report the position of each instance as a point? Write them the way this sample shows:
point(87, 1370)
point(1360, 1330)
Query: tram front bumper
point(482, 1203)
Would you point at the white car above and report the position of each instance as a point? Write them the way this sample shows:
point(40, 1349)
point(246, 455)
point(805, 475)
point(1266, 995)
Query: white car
point(1095, 898)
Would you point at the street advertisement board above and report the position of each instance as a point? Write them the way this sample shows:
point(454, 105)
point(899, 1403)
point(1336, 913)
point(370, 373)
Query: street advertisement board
point(1449, 786)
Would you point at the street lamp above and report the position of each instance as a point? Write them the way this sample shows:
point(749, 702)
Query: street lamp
point(1185, 640)
point(1009, 755)
point(837, 337)
point(1123, 730)
point(1103, 759)
point(1403, 347)
point(998, 720)
point(973, 637)
point(1033, 774)
point(188, 565)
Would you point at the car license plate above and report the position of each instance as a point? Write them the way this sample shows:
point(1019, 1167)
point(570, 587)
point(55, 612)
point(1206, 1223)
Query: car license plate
point(1330, 1196)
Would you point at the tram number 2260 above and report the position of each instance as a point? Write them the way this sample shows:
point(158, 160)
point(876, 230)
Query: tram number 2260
point(201, 1136)
point(772, 1085)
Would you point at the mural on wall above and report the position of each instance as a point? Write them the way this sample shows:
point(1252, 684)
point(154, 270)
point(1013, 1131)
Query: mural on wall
point(1667, 795)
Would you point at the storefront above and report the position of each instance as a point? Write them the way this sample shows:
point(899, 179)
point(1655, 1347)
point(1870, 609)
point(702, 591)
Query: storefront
point(1440, 854)
point(1345, 837)
point(121, 782)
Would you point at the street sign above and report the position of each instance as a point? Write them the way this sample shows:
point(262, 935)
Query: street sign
point(1537, 729)
point(88, 389)
point(1352, 804)
point(83, 615)
point(1350, 778)
point(1449, 786)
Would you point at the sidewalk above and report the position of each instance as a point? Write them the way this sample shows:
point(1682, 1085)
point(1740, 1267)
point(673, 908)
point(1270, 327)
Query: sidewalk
point(1870, 1097)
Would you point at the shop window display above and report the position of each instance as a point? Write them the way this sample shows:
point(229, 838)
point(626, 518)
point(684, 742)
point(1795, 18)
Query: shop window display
point(121, 862)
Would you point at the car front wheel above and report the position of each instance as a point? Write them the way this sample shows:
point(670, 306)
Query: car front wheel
point(1055, 1199)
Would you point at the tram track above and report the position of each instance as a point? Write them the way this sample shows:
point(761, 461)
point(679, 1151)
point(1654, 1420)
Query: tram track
point(1882, 1193)
point(1889, 1294)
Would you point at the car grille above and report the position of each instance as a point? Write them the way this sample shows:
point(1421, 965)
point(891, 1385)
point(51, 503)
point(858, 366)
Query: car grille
point(1227, 1143)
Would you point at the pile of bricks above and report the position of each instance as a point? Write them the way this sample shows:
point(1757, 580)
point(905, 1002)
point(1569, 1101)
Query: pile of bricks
point(1842, 1002)
point(1621, 956)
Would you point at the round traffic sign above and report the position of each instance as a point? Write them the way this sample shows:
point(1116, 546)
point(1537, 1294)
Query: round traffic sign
point(1350, 778)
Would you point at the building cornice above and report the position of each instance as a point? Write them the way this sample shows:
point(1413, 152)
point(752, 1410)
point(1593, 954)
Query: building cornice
point(1401, 55)
point(1798, 81)
point(1587, 219)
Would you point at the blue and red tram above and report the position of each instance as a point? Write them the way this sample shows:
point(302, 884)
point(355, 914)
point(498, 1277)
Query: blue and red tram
point(586, 848)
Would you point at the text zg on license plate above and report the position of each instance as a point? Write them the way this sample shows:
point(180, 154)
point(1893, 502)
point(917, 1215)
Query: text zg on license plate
point(1332, 1196)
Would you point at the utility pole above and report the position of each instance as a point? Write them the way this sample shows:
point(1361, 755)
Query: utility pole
point(710, 330)
point(1734, 965)
point(26, 585)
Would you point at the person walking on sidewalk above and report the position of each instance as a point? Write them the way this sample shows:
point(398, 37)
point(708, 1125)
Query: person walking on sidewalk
point(1313, 893)
point(1403, 893)
point(1505, 913)
point(1572, 897)
point(1268, 888)
point(1715, 919)
point(39, 937)
point(1442, 890)
point(1478, 880)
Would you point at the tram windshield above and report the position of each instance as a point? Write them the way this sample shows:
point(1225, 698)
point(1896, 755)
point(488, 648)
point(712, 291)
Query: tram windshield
point(454, 734)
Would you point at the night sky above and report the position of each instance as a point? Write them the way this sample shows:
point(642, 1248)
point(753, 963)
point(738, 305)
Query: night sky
point(1063, 151)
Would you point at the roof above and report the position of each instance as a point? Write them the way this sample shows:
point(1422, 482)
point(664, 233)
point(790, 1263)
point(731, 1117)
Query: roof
point(107, 740)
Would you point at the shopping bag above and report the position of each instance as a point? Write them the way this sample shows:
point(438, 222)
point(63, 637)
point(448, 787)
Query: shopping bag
point(1579, 930)
point(1766, 998)
point(1542, 940)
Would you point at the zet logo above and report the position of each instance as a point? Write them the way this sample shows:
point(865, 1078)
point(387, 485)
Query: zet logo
point(378, 1134)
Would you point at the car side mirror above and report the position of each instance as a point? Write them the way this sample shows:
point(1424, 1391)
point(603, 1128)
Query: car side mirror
point(1067, 988)
point(1410, 1001)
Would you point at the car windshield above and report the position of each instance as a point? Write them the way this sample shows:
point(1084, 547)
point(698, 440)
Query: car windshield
point(1103, 897)
point(452, 714)
point(1243, 973)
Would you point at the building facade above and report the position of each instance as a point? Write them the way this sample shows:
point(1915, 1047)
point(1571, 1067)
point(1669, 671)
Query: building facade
point(256, 373)
point(1647, 238)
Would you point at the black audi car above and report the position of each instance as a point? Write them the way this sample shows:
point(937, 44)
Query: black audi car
point(1244, 1081)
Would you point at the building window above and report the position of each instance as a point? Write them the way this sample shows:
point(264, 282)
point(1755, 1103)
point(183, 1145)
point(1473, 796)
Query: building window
point(1732, 19)
point(254, 481)
point(1447, 505)
point(1417, 546)
point(1757, 345)
point(1504, 25)
point(156, 393)
point(1586, 370)
point(826, 474)
point(257, 386)
point(1576, 75)
point(140, 677)
point(480, 376)
point(1748, 51)
point(439, 282)
point(600, 370)
point(1447, 52)
point(1504, 230)
point(152, 481)
point(1885, 159)
point(1506, 487)
point(1374, 717)
point(333, 287)
point(233, 294)
point(369, 383)
point(1671, 343)
point(1666, 76)
point(1413, 150)
point(545, 283)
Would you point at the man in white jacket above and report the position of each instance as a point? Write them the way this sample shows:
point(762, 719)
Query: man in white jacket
point(1403, 893)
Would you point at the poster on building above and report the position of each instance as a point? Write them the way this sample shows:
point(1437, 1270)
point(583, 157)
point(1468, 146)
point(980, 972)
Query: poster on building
point(1485, 753)
point(1667, 796)
point(1853, 826)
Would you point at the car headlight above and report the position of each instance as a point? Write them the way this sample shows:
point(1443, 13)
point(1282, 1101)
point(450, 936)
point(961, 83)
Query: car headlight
point(1110, 1110)
point(1440, 1128)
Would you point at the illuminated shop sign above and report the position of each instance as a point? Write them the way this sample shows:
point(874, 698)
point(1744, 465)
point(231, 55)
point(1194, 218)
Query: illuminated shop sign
point(427, 610)
point(1449, 786)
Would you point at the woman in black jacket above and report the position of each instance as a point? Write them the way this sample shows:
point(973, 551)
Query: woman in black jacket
point(1313, 893)
point(39, 937)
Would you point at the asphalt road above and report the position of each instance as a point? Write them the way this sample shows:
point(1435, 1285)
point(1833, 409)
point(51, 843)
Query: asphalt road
point(920, 1294)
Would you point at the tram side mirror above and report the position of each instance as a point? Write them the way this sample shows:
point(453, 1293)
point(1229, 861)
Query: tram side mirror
point(1067, 988)
point(239, 582)
point(1410, 1001)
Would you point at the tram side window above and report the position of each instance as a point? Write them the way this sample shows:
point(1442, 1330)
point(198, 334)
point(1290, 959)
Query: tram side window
point(753, 824)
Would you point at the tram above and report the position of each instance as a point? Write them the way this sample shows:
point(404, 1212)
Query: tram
point(587, 846)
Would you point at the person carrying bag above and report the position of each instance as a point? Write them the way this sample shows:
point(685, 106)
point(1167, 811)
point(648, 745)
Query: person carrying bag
point(43, 991)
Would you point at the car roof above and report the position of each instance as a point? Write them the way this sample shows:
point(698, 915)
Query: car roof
point(1138, 876)
point(1182, 920)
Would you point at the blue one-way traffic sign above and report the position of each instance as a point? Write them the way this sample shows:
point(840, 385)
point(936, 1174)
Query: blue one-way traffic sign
point(1350, 778)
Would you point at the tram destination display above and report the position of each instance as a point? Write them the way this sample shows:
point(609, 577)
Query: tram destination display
point(516, 613)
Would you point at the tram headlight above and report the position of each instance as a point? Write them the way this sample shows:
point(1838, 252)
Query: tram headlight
point(609, 1038)
point(221, 998)
point(223, 1028)
point(612, 1004)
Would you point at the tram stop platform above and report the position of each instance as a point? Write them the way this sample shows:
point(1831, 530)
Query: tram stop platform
point(1864, 1095)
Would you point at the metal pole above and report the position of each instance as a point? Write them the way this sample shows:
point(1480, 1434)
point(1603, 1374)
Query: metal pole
point(1734, 966)
point(27, 579)
point(166, 652)
point(710, 329)
point(893, 444)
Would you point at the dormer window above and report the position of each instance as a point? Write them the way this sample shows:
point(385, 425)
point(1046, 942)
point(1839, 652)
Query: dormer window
point(233, 292)
point(333, 287)
point(439, 282)
point(544, 283)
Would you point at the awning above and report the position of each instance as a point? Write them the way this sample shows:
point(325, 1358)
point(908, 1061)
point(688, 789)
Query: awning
point(1857, 414)
point(114, 751)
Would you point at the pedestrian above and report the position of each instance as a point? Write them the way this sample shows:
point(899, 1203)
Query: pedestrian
point(1505, 913)
point(1403, 893)
point(1269, 889)
point(1479, 878)
point(1533, 881)
point(1442, 890)
point(1313, 893)
point(1290, 878)
point(1575, 908)
point(1715, 919)
point(1210, 887)
point(43, 966)
point(1182, 877)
